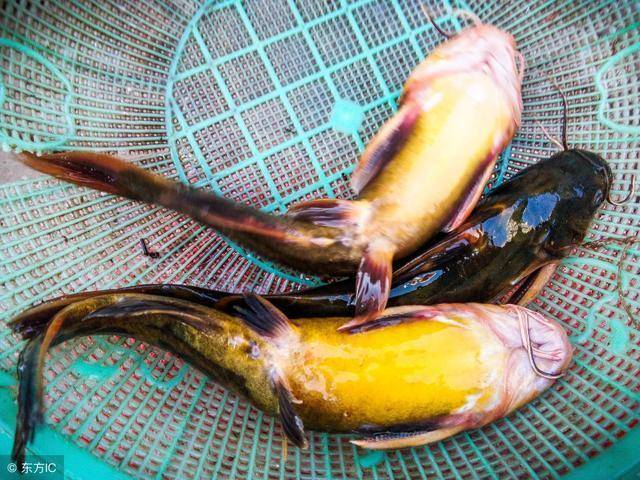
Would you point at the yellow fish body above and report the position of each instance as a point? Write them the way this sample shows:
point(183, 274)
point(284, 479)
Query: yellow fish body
point(413, 376)
point(422, 173)
point(441, 162)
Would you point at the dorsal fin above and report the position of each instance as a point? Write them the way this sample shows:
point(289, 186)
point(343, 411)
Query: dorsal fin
point(385, 145)
point(263, 317)
point(396, 315)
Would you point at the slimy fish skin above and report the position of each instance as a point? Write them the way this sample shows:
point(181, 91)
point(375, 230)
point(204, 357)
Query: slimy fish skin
point(422, 173)
point(516, 235)
point(413, 376)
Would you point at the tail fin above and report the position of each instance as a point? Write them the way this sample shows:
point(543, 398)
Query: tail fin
point(33, 321)
point(117, 313)
point(251, 227)
point(89, 169)
point(29, 399)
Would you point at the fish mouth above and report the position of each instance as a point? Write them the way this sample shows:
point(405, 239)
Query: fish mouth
point(541, 356)
point(545, 341)
point(493, 51)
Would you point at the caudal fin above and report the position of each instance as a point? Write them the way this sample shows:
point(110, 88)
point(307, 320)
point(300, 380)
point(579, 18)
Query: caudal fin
point(29, 399)
point(279, 238)
point(34, 320)
point(93, 170)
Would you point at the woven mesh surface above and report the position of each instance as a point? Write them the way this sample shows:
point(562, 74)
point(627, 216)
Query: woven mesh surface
point(269, 102)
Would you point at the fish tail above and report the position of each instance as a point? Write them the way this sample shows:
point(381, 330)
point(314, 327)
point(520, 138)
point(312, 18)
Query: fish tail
point(147, 317)
point(253, 228)
point(29, 400)
point(94, 170)
point(33, 321)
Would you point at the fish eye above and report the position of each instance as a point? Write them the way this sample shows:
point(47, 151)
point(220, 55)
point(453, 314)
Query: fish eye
point(598, 198)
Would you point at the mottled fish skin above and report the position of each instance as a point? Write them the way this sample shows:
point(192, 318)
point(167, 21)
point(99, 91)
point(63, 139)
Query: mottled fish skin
point(423, 172)
point(558, 197)
point(443, 369)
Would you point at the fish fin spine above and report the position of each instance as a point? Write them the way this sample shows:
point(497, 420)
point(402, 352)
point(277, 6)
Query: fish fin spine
point(291, 422)
point(393, 135)
point(263, 317)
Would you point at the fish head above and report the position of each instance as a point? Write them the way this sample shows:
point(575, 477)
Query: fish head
point(482, 48)
point(557, 199)
point(539, 352)
point(494, 52)
point(582, 182)
point(593, 172)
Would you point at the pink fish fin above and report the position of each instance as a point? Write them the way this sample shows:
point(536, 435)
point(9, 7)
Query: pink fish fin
point(440, 253)
point(532, 284)
point(469, 200)
point(330, 212)
point(409, 313)
point(373, 282)
point(385, 145)
point(404, 440)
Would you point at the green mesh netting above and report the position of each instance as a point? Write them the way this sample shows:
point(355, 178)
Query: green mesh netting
point(269, 102)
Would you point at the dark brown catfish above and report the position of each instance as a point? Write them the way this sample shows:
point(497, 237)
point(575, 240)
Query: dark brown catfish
point(516, 234)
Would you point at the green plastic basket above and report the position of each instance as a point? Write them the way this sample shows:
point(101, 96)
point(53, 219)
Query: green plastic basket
point(269, 102)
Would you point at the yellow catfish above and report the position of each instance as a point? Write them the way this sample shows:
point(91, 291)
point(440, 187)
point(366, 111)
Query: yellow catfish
point(413, 376)
point(422, 173)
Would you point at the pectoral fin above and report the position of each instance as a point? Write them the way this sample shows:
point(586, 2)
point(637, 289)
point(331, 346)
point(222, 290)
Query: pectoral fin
point(291, 422)
point(385, 145)
point(330, 212)
point(449, 248)
point(532, 285)
point(396, 315)
point(373, 282)
point(404, 440)
point(468, 203)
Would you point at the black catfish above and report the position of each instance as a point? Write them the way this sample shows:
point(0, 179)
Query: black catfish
point(518, 233)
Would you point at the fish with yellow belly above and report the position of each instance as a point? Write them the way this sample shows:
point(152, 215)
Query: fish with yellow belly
point(421, 174)
point(413, 376)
